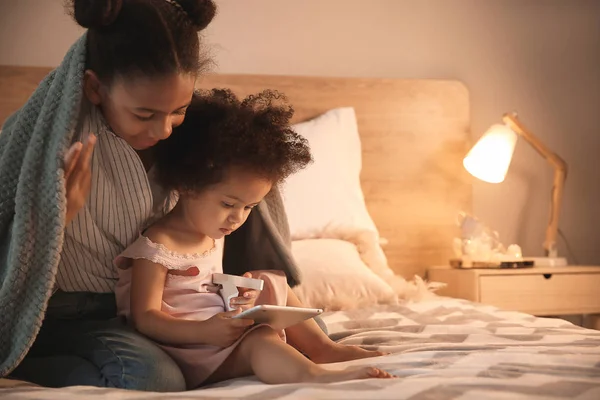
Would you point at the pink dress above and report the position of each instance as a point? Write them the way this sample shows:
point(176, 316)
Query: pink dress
point(194, 298)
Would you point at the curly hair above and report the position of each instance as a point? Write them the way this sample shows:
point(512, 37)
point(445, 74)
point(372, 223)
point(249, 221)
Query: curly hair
point(221, 131)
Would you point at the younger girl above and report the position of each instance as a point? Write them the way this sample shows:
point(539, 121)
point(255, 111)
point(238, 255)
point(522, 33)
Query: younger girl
point(221, 162)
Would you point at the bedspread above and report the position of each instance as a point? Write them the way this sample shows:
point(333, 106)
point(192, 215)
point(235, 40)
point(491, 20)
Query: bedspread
point(442, 349)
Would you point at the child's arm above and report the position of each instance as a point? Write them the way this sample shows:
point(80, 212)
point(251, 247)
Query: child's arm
point(147, 284)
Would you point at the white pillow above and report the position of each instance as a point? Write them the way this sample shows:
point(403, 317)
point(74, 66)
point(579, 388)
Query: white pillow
point(327, 194)
point(335, 278)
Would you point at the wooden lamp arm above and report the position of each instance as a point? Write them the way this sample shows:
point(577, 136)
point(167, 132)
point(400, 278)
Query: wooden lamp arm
point(560, 175)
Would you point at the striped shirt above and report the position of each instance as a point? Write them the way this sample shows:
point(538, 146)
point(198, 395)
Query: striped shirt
point(118, 207)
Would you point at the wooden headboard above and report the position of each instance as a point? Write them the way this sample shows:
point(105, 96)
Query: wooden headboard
point(414, 134)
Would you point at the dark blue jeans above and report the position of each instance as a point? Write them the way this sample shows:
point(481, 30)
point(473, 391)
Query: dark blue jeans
point(81, 342)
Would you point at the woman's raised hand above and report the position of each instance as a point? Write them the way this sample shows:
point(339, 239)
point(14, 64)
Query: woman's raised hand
point(78, 175)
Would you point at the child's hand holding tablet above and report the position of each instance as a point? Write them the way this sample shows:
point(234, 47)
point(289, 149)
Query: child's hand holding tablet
point(279, 317)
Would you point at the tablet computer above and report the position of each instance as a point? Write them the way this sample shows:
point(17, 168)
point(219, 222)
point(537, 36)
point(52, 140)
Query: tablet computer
point(279, 317)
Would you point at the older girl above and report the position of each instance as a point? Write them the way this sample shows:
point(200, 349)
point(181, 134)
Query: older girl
point(142, 58)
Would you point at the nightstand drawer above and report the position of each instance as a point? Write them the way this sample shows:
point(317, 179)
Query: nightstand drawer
point(543, 294)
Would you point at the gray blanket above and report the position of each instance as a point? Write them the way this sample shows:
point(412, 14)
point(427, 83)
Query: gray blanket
point(32, 210)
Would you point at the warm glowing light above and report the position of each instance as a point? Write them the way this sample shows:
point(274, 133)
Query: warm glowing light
point(489, 159)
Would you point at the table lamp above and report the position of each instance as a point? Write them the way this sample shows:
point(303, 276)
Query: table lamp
point(490, 158)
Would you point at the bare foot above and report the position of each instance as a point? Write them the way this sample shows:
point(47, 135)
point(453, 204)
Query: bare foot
point(320, 375)
point(339, 353)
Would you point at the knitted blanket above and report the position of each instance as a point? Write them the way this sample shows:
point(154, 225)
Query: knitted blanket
point(33, 207)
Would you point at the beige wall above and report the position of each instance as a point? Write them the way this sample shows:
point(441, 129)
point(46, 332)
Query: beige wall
point(539, 57)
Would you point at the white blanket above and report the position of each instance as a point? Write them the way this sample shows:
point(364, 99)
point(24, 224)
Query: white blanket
point(442, 349)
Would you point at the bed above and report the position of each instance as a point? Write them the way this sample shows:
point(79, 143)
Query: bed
point(374, 211)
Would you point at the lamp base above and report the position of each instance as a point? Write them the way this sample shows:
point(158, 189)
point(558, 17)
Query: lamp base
point(548, 261)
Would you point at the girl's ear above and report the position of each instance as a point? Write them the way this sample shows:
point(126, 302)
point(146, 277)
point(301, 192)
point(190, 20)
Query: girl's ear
point(91, 87)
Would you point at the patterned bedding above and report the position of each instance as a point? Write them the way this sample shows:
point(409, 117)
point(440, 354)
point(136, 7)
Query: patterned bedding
point(442, 349)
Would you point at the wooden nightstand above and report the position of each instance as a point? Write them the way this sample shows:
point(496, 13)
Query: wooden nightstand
point(544, 291)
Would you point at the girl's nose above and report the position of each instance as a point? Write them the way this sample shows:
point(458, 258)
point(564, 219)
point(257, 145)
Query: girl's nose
point(163, 129)
point(236, 216)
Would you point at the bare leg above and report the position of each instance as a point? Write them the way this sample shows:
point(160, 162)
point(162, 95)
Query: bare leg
point(312, 341)
point(273, 361)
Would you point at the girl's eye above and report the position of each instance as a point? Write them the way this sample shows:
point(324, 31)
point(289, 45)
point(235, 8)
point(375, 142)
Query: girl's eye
point(249, 207)
point(227, 205)
point(180, 112)
point(141, 118)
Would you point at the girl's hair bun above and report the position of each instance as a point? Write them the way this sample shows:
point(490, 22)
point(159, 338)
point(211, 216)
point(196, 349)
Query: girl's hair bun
point(200, 12)
point(96, 13)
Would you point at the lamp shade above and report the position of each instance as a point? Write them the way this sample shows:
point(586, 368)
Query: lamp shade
point(490, 158)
